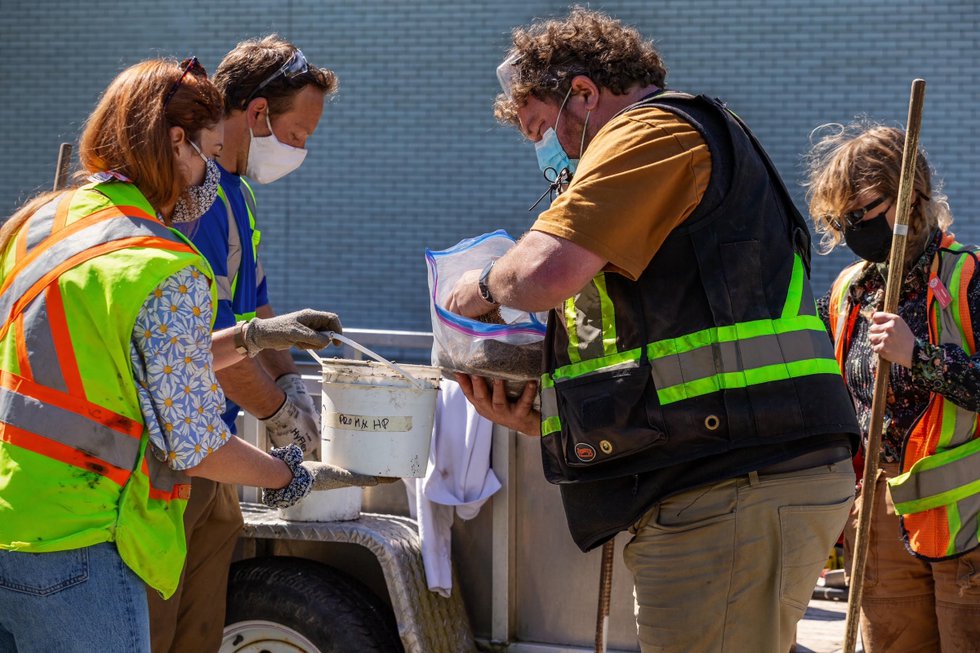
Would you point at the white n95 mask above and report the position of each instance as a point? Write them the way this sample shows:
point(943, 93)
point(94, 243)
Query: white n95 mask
point(269, 158)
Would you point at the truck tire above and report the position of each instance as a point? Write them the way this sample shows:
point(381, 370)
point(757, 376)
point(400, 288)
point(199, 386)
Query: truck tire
point(280, 605)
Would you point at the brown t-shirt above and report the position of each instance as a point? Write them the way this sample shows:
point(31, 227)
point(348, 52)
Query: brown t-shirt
point(642, 175)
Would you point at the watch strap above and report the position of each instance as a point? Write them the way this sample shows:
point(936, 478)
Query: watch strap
point(239, 339)
point(482, 284)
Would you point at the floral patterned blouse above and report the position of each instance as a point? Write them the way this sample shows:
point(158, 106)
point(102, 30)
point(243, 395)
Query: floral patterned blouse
point(944, 369)
point(179, 395)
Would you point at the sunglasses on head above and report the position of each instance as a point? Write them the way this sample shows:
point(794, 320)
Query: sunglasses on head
point(295, 66)
point(851, 218)
point(190, 65)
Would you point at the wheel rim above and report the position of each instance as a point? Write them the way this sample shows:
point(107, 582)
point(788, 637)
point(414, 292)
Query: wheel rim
point(258, 636)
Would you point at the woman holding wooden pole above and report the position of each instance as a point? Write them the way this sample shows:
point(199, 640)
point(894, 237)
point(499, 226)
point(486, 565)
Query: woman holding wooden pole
point(921, 588)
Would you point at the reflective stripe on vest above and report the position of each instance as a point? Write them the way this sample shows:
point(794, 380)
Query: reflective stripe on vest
point(842, 315)
point(39, 345)
point(42, 222)
point(93, 438)
point(938, 495)
point(42, 409)
point(229, 286)
point(587, 340)
point(112, 230)
point(165, 484)
point(225, 291)
point(715, 359)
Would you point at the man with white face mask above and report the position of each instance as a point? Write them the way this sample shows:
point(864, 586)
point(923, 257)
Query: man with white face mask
point(273, 100)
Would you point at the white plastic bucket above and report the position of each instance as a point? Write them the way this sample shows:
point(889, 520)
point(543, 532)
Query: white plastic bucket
point(341, 504)
point(374, 420)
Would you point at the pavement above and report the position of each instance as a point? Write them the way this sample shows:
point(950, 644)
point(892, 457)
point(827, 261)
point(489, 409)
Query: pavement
point(822, 628)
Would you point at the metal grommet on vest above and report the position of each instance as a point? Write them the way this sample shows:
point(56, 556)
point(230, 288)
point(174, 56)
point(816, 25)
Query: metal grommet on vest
point(711, 422)
point(606, 446)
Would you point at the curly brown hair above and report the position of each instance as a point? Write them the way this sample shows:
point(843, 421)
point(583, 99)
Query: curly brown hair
point(548, 54)
point(846, 160)
point(253, 61)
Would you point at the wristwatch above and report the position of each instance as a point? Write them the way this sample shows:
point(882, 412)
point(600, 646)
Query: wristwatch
point(240, 338)
point(482, 285)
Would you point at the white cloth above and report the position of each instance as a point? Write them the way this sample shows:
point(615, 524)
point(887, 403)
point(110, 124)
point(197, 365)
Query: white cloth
point(458, 479)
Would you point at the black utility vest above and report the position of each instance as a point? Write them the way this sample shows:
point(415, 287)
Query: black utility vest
point(717, 346)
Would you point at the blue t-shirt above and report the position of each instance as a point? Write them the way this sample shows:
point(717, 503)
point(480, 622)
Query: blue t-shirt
point(213, 235)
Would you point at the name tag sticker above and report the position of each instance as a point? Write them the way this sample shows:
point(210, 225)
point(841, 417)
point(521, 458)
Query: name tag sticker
point(939, 291)
point(382, 424)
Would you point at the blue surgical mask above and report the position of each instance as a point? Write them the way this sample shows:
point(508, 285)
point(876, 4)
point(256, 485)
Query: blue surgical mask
point(552, 158)
point(552, 155)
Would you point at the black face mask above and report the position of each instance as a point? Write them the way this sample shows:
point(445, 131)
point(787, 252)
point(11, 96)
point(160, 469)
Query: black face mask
point(871, 240)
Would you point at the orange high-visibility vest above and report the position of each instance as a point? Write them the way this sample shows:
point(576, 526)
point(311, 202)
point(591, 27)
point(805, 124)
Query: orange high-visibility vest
point(938, 493)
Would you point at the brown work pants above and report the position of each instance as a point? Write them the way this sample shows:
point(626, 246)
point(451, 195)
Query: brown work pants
point(910, 605)
point(192, 620)
point(730, 567)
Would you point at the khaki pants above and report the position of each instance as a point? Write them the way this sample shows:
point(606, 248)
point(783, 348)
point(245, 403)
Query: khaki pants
point(192, 620)
point(730, 567)
point(910, 605)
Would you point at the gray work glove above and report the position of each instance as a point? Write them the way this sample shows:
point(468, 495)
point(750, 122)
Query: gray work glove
point(298, 488)
point(309, 419)
point(294, 387)
point(331, 477)
point(291, 424)
point(305, 329)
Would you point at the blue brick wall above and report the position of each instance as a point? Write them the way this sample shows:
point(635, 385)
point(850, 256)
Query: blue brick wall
point(408, 154)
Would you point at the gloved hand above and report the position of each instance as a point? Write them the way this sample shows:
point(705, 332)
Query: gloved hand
point(308, 423)
point(293, 425)
point(331, 477)
point(298, 488)
point(304, 329)
point(295, 389)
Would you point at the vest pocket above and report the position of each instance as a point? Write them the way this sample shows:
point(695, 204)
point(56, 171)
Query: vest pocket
point(605, 417)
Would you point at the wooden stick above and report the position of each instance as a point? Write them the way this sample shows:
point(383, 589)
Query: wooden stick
point(893, 287)
point(61, 170)
point(605, 592)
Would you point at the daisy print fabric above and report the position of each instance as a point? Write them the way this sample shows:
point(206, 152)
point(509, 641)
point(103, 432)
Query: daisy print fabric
point(179, 394)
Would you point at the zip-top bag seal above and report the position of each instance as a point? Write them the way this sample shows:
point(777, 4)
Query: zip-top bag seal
point(505, 343)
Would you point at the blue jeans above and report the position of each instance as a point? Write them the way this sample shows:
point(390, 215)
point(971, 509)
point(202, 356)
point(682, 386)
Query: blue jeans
point(81, 600)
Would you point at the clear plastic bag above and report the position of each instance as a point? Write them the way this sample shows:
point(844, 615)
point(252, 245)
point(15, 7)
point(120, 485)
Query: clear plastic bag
point(510, 349)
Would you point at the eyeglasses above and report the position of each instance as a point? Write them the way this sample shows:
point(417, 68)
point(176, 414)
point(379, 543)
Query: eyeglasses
point(294, 67)
point(556, 182)
point(851, 218)
point(191, 64)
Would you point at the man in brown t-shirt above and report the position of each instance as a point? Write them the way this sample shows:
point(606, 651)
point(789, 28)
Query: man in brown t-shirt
point(690, 394)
